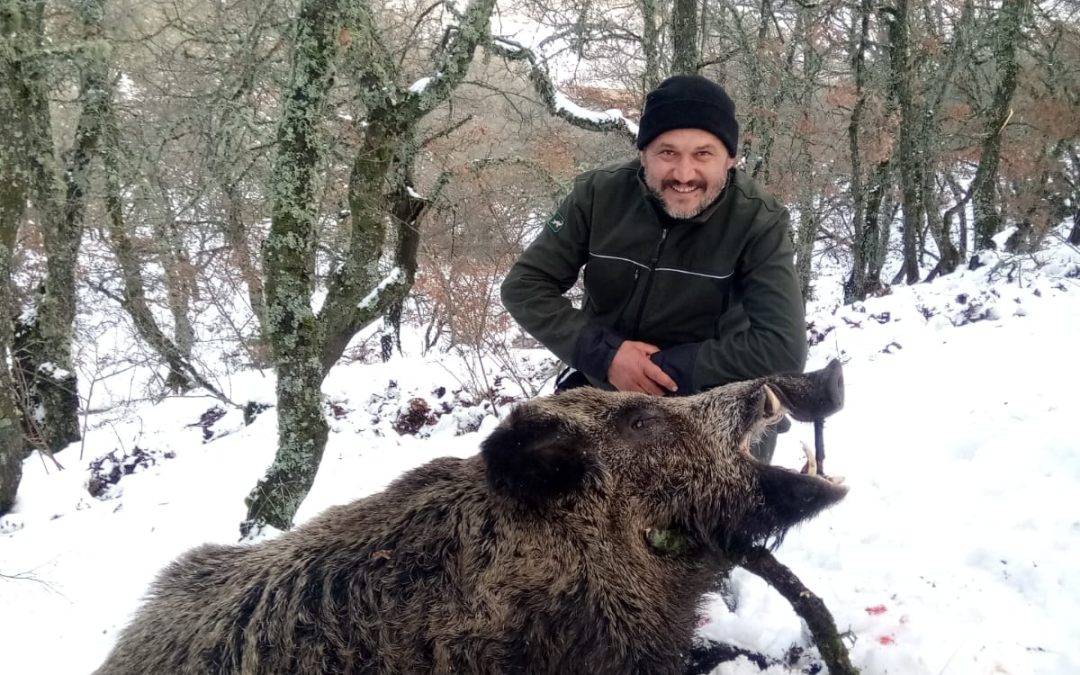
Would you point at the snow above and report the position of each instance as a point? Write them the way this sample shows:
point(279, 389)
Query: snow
point(953, 554)
point(420, 85)
point(126, 87)
point(54, 371)
point(1002, 237)
point(29, 315)
point(393, 277)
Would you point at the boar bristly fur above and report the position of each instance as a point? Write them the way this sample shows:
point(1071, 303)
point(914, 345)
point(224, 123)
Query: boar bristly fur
point(531, 557)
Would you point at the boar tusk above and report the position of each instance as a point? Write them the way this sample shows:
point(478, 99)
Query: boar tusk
point(811, 461)
point(773, 408)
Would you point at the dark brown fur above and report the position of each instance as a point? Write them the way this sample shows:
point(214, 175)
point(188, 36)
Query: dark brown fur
point(530, 557)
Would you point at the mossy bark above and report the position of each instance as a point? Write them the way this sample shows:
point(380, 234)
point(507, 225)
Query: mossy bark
point(15, 42)
point(59, 197)
point(295, 334)
point(12, 205)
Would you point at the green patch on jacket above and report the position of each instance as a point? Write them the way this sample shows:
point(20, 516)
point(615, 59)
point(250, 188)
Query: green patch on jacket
point(555, 223)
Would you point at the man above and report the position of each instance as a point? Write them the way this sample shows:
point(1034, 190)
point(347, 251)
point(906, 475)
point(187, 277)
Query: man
point(689, 278)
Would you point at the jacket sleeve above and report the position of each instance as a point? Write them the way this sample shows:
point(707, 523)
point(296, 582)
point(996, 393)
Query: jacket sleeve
point(534, 289)
point(773, 337)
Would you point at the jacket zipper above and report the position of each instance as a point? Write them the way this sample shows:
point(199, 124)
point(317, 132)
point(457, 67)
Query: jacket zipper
point(648, 283)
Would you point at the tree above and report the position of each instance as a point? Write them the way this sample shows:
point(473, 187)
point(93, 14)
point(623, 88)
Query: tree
point(57, 190)
point(899, 28)
point(14, 186)
point(1007, 36)
point(686, 54)
point(306, 343)
point(856, 286)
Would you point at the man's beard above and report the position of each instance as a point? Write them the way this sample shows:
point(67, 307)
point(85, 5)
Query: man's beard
point(709, 196)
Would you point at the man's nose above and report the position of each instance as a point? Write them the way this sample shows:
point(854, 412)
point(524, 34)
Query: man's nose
point(684, 170)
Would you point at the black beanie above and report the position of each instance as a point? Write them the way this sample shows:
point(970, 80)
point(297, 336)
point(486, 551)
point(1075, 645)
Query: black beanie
point(689, 102)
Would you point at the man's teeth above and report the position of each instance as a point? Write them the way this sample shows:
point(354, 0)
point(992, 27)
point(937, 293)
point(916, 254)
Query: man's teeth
point(690, 188)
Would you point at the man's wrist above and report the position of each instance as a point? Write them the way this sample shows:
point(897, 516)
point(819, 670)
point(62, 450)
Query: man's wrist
point(678, 363)
point(595, 350)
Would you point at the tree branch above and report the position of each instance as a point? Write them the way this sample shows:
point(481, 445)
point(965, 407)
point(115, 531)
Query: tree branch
point(451, 69)
point(808, 606)
point(557, 104)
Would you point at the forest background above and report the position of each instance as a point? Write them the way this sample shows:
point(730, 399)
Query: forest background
point(264, 181)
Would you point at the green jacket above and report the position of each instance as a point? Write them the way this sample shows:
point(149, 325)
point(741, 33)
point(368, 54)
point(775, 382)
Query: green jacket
point(717, 293)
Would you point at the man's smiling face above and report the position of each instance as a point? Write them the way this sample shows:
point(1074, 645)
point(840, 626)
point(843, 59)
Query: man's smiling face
point(686, 169)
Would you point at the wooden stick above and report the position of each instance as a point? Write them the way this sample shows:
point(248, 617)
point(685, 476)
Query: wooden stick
point(807, 605)
point(819, 445)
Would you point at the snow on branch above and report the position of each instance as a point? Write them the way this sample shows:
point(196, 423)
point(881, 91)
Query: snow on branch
point(371, 300)
point(453, 63)
point(557, 103)
point(420, 85)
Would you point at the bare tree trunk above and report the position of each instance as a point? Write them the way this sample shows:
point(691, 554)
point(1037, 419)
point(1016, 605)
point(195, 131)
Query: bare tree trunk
point(786, 84)
point(15, 178)
point(940, 229)
point(181, 373)
point(236, 236)
point(1074, 234)
point(12, 200)
point(855, 288)
point(179, 282)
point(686, 56)
point(940, 226)
point(1008, 28)
point(46, 335)
point(757, 125)
point(958, 209)
point(804, 243)
point(12, 205)
point(650, 45)
point(898, 20)
point(228, 139)
point(175, 262)
point(880, 212)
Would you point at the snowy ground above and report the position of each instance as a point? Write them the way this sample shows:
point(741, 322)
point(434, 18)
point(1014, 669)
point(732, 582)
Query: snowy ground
point(953, 553)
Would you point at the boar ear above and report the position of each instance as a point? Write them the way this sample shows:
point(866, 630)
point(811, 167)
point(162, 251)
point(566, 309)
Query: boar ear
point(534, 458)
point(789, 498)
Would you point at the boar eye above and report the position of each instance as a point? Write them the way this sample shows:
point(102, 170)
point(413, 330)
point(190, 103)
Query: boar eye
point(643, 419)
point(636, 420)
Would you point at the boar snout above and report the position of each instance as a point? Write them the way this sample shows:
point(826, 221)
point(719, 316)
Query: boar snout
point(811, 396)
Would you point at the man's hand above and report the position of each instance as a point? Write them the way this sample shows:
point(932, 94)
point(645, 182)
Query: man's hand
point(631, 370)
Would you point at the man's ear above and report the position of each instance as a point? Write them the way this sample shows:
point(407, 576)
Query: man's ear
point(534, 458)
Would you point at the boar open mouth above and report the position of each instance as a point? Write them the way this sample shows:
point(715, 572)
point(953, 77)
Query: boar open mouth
point(807, 398)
